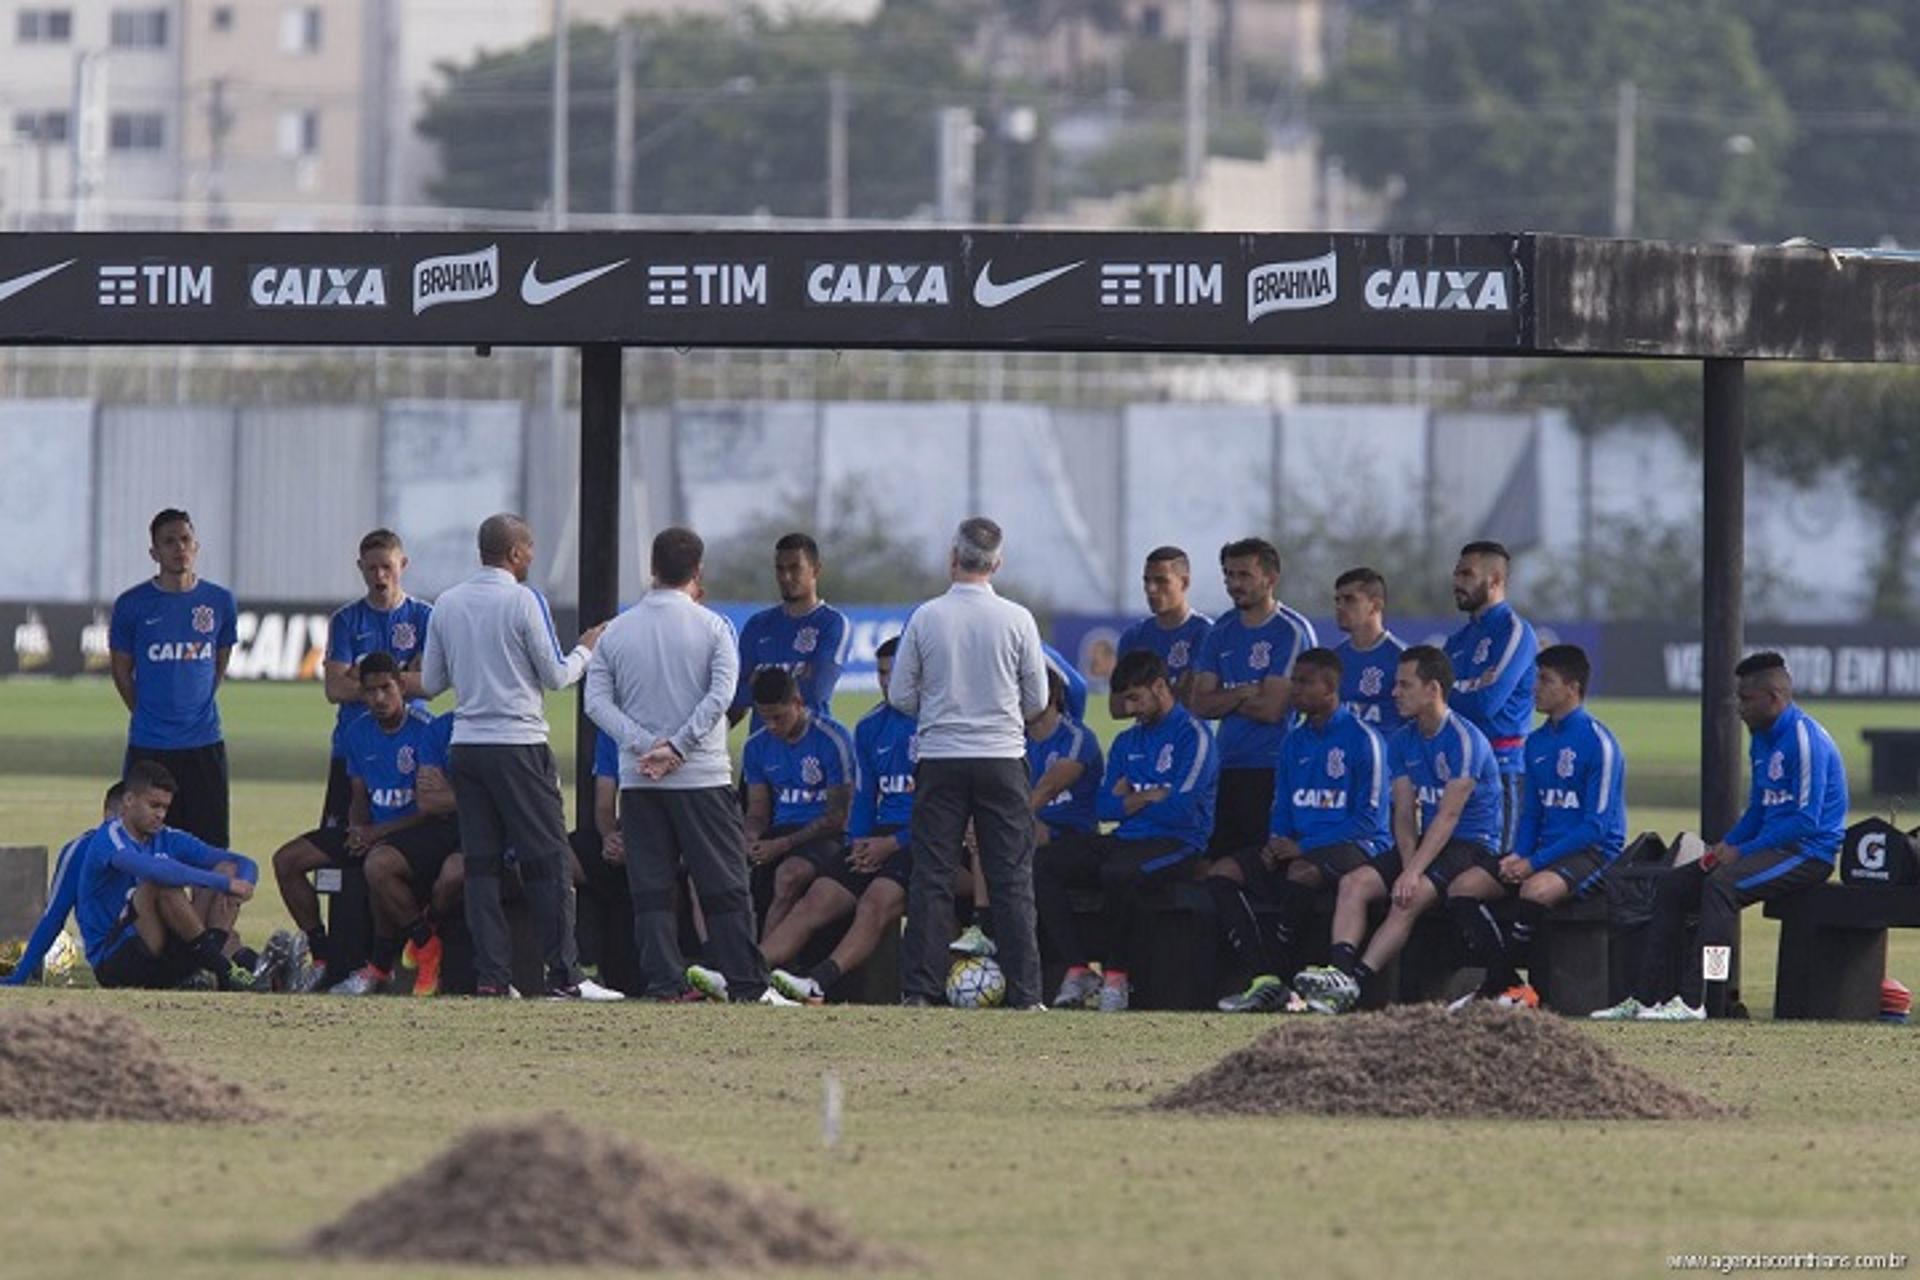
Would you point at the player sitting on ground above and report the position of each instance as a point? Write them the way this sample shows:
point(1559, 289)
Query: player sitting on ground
point(1573, 824)
point(800, 775)
point(399, 810)
point(1446, 826)
point(1330, 825)
point(1784, 842)
point(871, 882)
point(66, 893)
point(140, 925)
point(1159, 787)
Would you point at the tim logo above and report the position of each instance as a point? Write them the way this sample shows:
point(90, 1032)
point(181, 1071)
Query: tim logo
point(1370, 682)
point(707, 284)
point(1163, 763)
point(1160, 284)
point(1565, 765)
point(1777, 766)
point(1336, 763)
point(805, 639)
point(403, 636)
point(810, 772)
point(403, 759)
point(1261, 656)
point(203, 619)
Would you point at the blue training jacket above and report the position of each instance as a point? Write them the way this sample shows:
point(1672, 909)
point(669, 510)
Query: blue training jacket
point(1576, 792)
point(1499, 645)
point(1331, 786)
point(1799, 795)
point(1177, 753)
point(115, 864)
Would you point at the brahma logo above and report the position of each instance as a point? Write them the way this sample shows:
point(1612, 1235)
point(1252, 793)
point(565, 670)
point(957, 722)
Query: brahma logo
point(890, 284)
point(203, 620)
point(318, 287)
point(1292, 286)
point(1389, 290)
point(459, 277)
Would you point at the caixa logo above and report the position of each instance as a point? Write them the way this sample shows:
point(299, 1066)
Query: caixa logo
point(870, 284)
point(318, 287)
point(278, 646)
point(1442, 290)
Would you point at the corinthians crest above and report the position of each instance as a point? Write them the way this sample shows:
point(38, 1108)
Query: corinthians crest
point(810, 772)
point(203, 619)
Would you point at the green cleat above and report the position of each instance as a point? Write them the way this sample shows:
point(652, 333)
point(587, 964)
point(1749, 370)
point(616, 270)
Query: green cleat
point(973, 941)
point(1327, 989)
point(1674, 1010)
point(1627, 1010)
point(710, 983)
point(1266, 994)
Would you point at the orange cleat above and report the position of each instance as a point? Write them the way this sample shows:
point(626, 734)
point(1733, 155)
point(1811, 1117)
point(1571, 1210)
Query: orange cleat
point(426, 963)
point(1520, 997)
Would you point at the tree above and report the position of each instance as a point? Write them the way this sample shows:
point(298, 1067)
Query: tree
point(729, 117)
point(862, 559)
point(1501, 113)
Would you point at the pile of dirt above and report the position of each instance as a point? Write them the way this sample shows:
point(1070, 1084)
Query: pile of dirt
point(76, 1064)
point(1418, 1061)
point(545, 1192)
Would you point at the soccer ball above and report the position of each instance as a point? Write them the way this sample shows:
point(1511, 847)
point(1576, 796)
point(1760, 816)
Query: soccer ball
point(975, 982)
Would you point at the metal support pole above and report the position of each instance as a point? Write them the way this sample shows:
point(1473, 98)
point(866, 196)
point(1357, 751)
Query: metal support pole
point(1722, 569)
point(601, 393)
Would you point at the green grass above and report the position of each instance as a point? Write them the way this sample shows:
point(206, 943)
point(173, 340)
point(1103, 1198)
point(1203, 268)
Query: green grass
point(989, 1144)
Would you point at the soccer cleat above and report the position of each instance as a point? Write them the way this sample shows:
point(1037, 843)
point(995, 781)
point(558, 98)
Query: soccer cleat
point(199, 980)
point(795, 988)
point(1674, 1010)
point(426, 966)
point(1627, 1010)
point(773, 997)
point(305, 975)
point(1266, 994)
point(1519, 996)
point(973, 941)
point(593, 993)
point(1114, 996)
point(364, 981)
point(710, 983)
point(1458, 1003)
point(271, 972)
point(1327, 989)
point(1079, 991)
point(237, 977)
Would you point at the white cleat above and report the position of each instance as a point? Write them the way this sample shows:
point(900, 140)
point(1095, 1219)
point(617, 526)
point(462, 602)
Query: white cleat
point(773, 997)
point(1674, 1010)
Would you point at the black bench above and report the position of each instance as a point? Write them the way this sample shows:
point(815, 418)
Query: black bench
point(1894, 760)
point(1833, 948)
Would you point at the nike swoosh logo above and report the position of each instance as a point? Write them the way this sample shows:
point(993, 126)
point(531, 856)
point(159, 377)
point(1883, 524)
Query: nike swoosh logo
point(10, 287)
point(988, 294)
point(536, 292)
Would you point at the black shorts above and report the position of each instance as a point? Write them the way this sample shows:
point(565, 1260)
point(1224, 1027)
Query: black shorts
point(1242, 808)
point(132, 965)
point(1457, 857)
point(339, 798)
point(1336, 861)
point(200, 799)
point(825, 855)
point(1582, 871)
point(898, 868)
point(426, 847)
point(331, 841)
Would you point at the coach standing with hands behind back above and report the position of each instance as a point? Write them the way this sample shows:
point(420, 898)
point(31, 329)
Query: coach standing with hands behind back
point(971, 670)
point(491, 639)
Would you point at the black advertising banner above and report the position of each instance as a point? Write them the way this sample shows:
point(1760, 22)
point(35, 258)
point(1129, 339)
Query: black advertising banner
point(892, 289)
point(1867, 660)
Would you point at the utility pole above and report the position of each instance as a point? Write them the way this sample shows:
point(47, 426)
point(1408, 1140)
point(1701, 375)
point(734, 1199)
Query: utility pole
point(90, 101)
point(837, 146)
point(996, 130)
point(219, 122)
point(623, 54)
point(1196, 116)
point(562, 74)
point(1625, 136)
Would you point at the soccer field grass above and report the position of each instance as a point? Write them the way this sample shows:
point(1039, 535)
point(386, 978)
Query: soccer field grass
point(990, 1144)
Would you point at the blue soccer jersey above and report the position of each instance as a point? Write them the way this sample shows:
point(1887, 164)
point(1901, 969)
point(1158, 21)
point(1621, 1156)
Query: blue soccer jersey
point(1576, 793)
point(359, 629)
point(387, 762)
point(1176, 753)
point(115, 864)
point(801, 773)
point(811, 647)
point(1494, 653)
point(1798, 799)
point(1366, 682)
point(1457, 750)
point(1332, 786)
point(1240, 655)
point(174, 638)
point(1177, 647)
point(1072, 809)
point(886, 747)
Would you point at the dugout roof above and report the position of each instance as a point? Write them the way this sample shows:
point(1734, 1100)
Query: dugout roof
point(1519, 295)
